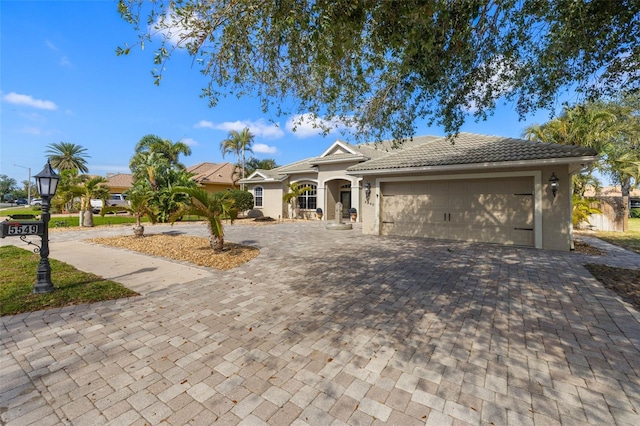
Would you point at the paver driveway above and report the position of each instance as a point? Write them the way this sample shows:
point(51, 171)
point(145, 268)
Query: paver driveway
point(333, 327)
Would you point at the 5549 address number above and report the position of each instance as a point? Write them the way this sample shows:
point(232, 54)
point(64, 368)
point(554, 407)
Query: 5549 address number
point(9, 229)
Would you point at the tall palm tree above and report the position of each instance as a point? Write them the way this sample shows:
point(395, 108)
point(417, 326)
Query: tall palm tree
point(210, 206)
point(238, 143)
point(169, 150)
point(66, 156)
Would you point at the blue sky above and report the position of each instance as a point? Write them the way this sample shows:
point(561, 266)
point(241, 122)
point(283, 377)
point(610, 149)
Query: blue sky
point(61, 81)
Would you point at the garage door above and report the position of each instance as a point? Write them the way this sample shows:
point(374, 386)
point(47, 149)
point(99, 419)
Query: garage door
point(483, 210)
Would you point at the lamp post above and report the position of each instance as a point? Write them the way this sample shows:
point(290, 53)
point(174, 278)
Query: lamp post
point(47, 181)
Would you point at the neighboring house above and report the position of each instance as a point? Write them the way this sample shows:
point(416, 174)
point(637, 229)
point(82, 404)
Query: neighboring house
point(119, 182)
point(474, 188)
point(214, 177)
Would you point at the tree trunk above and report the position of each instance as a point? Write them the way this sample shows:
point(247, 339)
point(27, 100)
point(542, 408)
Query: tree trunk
point(138, 230)
point(218, 244)
point(86, 218)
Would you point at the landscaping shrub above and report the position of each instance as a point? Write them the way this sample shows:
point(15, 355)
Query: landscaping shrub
point(243, 199)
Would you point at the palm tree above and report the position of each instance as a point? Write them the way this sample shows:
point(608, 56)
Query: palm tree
point(66, 156)
point(254, 164)
point(93, 188)
point(169, 150)
point(291, 197)
point(140, 205)
point(238, 143)
point(210, 206)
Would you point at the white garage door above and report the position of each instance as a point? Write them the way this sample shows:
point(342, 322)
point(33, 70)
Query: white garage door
point(483, 210)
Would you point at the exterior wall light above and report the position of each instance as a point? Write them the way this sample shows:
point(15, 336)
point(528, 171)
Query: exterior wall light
point(553, 181)
point(367, 191)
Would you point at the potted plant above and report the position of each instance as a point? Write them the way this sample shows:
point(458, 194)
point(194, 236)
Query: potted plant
point(353, 213)
point(319, 213)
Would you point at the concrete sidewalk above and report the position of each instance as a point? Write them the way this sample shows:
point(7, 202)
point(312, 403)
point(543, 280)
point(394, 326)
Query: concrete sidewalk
point(329, 328)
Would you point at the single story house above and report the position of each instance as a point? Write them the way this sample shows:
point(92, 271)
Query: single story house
point(472, 188)
point(119, 182)
point(213, 177)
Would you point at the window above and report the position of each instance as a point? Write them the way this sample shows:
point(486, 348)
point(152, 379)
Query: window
point(307, 201)
point(257, 196)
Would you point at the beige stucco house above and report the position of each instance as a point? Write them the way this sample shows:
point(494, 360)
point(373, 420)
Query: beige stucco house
point(213, 177)
point(119, 182)
point(474, 188)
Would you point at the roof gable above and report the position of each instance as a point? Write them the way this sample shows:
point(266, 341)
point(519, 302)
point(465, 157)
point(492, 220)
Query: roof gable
point(337, 148)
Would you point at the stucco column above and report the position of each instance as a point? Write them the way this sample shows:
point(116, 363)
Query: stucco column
point(355, 198)
point(321, 199)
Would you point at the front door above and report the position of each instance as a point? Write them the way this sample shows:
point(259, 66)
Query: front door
point(345, 199)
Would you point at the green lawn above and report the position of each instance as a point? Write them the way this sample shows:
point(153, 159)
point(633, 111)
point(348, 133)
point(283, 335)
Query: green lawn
point(629, 240)
point(73, 287)
point(72, 219)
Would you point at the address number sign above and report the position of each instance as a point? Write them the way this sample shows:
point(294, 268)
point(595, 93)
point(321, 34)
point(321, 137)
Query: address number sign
point(10, 229)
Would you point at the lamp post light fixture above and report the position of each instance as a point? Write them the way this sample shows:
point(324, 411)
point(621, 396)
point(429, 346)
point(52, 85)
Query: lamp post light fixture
point(553, 181)
point(47, 181)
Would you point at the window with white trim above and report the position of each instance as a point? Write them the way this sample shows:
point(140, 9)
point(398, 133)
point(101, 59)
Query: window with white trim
point(257, 196)
point(308, 200)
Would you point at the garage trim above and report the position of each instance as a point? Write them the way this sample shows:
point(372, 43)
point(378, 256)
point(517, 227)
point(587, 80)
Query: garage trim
point(537, 194)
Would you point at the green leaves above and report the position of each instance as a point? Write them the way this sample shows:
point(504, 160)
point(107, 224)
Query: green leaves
point(383, 65)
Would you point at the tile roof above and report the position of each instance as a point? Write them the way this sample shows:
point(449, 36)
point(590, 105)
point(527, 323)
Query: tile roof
point(213, 172)
point(299, 166)
point(469, 148)
point(120, 180)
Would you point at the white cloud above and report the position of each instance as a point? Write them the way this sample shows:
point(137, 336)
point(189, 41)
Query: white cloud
point(204, 124)
point(18, 99)
point(189, 142)
point(31, 131)
point(171, 27)
point(259, 128)
point(261, 148)
point(309, 125)
point(64, 60)
point(51, 45)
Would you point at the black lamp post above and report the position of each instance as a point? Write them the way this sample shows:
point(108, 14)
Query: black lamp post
point(47, 181)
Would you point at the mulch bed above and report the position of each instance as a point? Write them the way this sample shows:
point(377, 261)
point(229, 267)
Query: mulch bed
point(624, 282)
point(185, 248)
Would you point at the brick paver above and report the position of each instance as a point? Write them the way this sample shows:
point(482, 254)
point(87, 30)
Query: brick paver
point(333, 327)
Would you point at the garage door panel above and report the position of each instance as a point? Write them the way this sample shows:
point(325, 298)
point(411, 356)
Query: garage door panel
point(487, 210)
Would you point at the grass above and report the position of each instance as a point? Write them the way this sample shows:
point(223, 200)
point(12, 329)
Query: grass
point(72, 219)
point(72, 287)
point(624, 282)
point(629, 240)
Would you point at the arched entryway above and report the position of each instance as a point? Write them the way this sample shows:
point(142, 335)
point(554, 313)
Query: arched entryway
point(340, 190)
